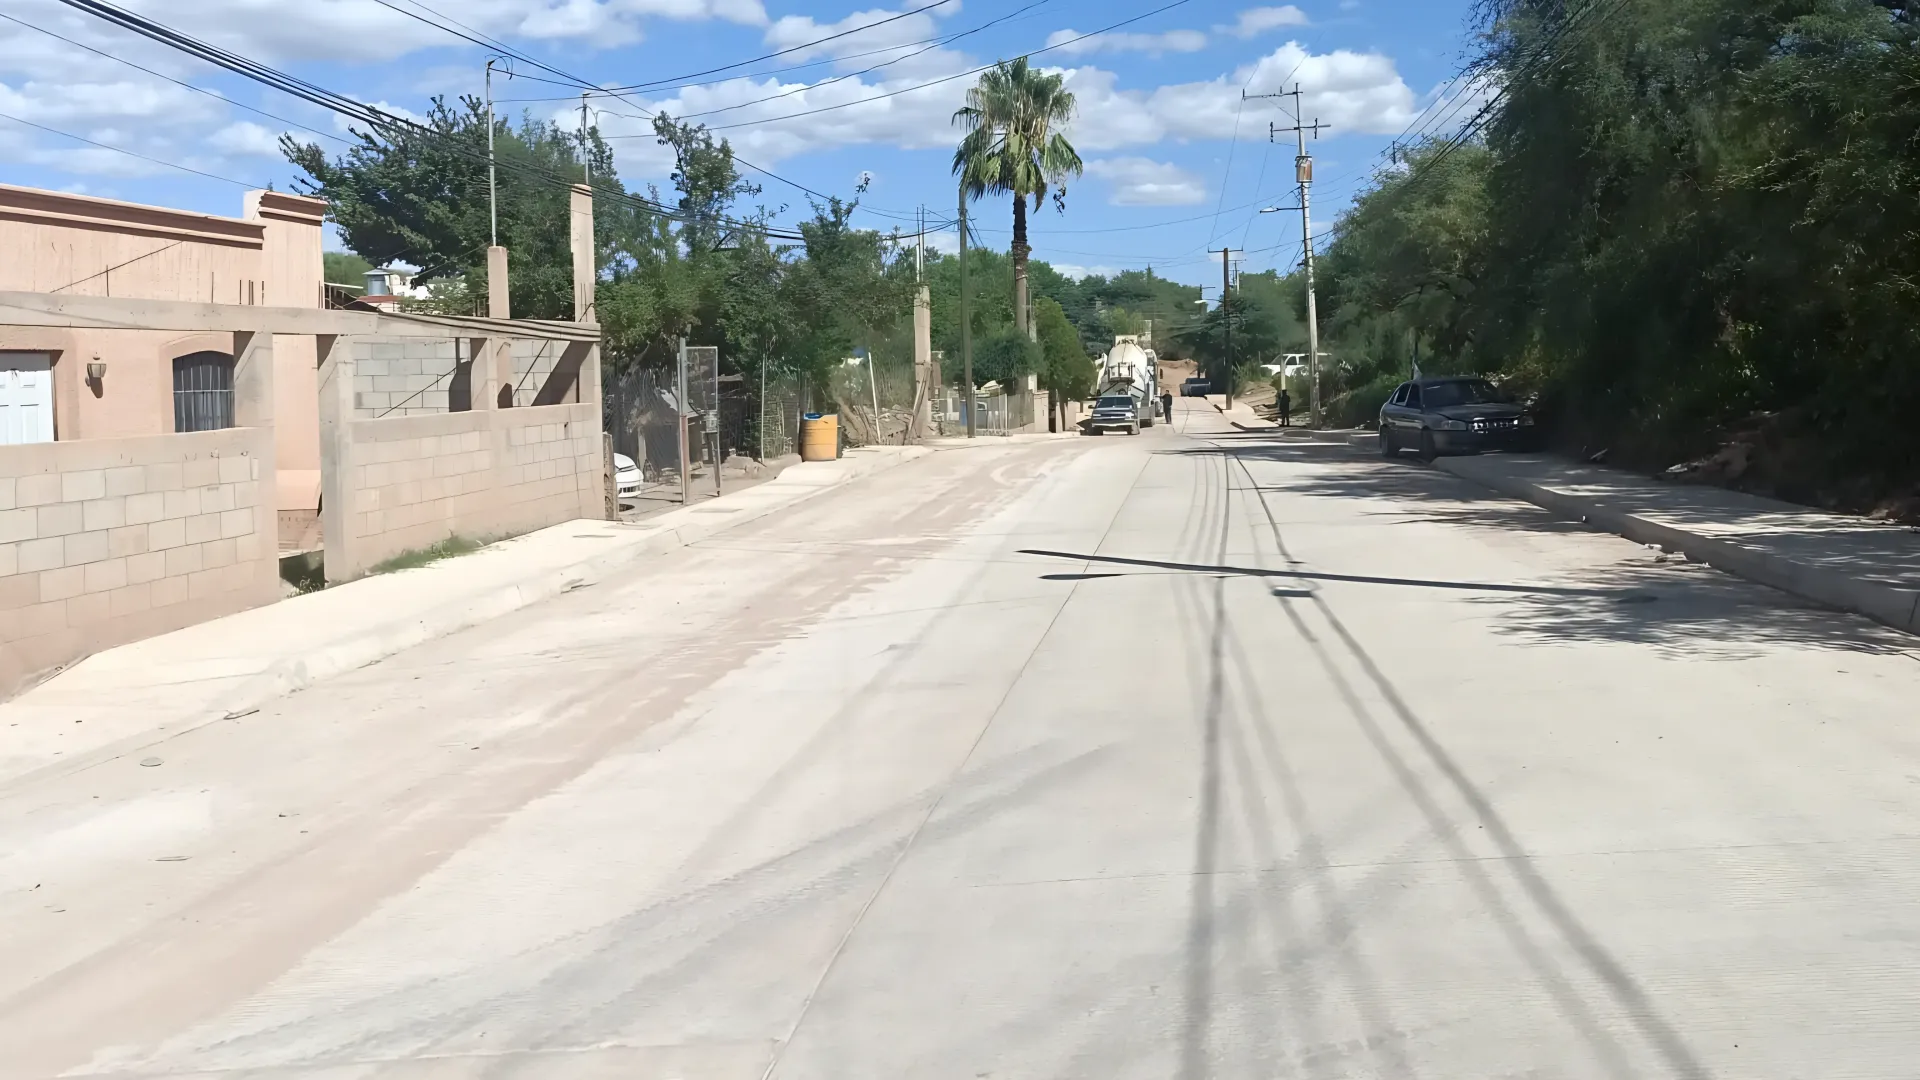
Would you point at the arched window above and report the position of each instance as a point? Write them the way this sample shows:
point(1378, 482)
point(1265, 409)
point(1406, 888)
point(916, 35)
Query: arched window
point(203, 392)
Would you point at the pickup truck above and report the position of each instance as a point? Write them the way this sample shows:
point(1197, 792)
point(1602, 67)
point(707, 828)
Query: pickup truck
point(1115, 412)
point(1196, 387)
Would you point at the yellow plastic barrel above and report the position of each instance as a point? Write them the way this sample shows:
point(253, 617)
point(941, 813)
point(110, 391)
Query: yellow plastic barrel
point(819, 437)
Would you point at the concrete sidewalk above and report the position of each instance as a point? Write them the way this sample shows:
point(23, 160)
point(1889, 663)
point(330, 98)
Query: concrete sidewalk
point(118, 701)
point(1865, 567)
point(1850, 563)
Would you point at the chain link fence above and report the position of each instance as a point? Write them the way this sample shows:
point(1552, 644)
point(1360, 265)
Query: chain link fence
point(875, 396)
point(993, 414)
point(754, 418)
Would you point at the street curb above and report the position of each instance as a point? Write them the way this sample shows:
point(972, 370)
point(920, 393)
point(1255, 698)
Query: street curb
point(1887, 604)
point(370, 646)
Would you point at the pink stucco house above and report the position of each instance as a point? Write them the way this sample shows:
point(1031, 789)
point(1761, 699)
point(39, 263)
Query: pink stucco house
point(59, 384)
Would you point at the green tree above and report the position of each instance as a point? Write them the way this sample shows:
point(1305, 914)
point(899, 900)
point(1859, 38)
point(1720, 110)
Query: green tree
point(418, 195)
point(1004, 356)
point(1012, 147)
point(1066, 371)
point(345, 268)
point(1683, 220)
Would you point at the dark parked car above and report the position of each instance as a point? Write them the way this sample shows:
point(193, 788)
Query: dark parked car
point(1115, 412)
point(1195, 387)
point(1439, 415)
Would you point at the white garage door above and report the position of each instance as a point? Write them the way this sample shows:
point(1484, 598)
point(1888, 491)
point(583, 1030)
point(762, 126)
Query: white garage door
point(26, 398)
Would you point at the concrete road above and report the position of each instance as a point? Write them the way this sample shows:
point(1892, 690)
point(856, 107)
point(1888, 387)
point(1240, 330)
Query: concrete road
point(1192, 755)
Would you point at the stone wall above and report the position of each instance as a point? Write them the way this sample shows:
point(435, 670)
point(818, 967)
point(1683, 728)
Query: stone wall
point(111, 540)
point(413, 481)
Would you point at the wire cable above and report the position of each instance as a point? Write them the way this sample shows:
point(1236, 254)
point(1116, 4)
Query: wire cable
point(378, 119)
point(948, 78)
point(870, 70)
point(787, 51)
point(177, 82)
point(132, 153)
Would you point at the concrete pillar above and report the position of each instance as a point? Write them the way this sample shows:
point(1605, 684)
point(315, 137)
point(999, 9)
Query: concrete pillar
point(477, 378)
point(253, 407)
point(585, 262)
point(253, 404)
point(495, 378)
point(337, 473)
point(499, 306)
point(923, 379)
point(293, 277)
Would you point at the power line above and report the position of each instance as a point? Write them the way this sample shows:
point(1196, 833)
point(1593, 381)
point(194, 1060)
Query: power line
point(591, 88)
point(822, 62)
point(379, 119)
point(475, 37)
point(177, 82)
point(947, 78)
point(1481, 76)
point(787, 51)
point(131, 153)
point(870, 70)
point(874, 210)
point(1584, 20)
point(1232, 144)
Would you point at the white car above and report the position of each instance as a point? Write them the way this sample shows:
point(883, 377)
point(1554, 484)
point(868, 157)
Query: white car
point(626, 477)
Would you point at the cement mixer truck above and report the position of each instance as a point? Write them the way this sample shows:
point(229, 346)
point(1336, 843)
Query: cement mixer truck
point(1131, 369)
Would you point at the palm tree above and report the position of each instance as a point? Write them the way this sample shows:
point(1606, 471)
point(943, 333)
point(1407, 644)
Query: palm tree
point(1011, 147)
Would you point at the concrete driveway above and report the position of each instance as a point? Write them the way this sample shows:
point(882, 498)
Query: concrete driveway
point(1192, 755)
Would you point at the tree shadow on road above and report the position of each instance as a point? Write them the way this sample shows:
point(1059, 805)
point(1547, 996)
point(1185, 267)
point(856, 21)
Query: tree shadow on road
point(1682, 610)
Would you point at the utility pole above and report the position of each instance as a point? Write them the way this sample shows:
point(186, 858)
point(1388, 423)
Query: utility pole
point(586, 148)
point(966, 316)
point(680, 427)
point(1226, 313)
point(923, 381)
point(1303, 175)
point(493, 196)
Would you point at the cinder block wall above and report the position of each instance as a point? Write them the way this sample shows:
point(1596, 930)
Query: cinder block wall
point(402, 376)
point(107, 541)
point(533, 364)
point(418, 480)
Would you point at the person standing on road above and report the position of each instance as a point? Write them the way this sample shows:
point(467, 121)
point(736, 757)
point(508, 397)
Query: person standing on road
point(1286, 408)
point(1166, 407)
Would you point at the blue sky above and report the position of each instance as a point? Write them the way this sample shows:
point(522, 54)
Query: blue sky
point(1176, 163)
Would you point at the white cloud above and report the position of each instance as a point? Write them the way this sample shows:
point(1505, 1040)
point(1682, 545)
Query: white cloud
point(365, 30)
point(1354, 92)
point(80, 105)
point(52, 83)
point(1139, 181)
point(871, 38)
point(246, 138)
point(1171, 41)
point(897, 112)
point(1076, 271)
point(1255, 21)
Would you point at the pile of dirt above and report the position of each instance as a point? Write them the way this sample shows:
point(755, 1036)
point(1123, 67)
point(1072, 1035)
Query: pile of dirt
point(1779, 455)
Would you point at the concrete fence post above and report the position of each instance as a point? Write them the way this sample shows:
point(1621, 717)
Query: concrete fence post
point(253, 407)
point(339, 479)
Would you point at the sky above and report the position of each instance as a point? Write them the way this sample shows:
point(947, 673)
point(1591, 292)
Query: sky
point(1177, 162)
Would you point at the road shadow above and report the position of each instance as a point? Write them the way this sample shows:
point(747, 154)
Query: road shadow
point(1688, 611)
point(1682, 610)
